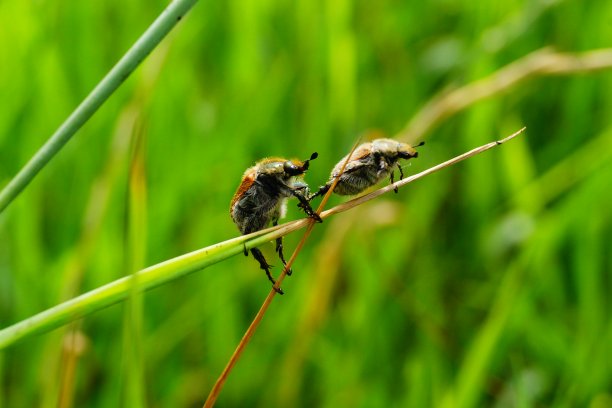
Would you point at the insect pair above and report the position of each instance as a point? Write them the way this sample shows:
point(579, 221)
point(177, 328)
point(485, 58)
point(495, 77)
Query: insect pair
point(261, 198)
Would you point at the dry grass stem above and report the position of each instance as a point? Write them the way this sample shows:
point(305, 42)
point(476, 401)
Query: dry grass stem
point(360, 200)
point(216, 390)
point(544, 61)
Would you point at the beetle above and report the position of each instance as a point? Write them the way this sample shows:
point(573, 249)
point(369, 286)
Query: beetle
point(261, 199)
point(369, 164)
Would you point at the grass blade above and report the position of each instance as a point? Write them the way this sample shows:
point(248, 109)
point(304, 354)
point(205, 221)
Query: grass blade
point(105, 88)
point(171, 269)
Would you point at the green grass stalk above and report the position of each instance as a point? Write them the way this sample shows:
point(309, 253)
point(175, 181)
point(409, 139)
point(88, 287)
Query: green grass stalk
point(174, 268)
point(105, 88)
point(150, 277)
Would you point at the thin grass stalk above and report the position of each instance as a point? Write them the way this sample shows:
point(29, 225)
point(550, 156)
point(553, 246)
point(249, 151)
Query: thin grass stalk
point(174, 268)
point(542, 62)
point(216, 390)
point(71, 350)
point(105, 88)
point(133, 392)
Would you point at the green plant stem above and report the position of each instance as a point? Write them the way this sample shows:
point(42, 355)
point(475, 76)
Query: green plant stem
point(115, 77)
point(142, 280)
point(171, 269)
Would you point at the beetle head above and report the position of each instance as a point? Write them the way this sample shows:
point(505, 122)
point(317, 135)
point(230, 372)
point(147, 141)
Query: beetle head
point(405, 151)
point(295, 169)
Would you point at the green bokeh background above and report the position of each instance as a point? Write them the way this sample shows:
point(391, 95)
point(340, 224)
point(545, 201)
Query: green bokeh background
point(487, 284)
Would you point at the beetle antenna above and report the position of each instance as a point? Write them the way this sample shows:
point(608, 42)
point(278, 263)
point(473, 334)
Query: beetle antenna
point(307, 162)
point(420, 144)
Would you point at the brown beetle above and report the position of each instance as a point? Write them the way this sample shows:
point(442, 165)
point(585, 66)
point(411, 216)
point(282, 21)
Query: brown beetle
point(369, 164)
point(261, 198)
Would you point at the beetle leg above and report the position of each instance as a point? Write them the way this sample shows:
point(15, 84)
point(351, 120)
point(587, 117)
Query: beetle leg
point(305, 205)
point(279, 249)
point(399, 167)
point(322, 190)
point(263, 264)
point(392, 176)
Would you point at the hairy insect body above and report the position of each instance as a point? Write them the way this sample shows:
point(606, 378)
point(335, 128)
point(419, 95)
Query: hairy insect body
point(369, 164)
point(361, 172)
point(261, 199)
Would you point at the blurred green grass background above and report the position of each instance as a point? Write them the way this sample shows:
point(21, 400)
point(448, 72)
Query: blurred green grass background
point(485, 285)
